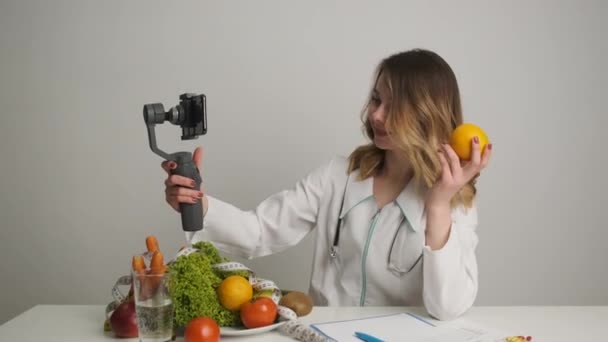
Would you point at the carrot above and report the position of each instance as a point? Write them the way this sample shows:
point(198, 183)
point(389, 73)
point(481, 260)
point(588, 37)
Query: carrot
point(138, 264)
point(153, 280)
point(157, 264)
point(152, 244)
point(139, 267)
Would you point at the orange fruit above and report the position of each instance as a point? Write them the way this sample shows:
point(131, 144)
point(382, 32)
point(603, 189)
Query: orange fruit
point(234, 291)
point(461, 139)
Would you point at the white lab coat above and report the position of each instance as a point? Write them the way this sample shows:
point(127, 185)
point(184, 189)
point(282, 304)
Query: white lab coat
point(382, 259)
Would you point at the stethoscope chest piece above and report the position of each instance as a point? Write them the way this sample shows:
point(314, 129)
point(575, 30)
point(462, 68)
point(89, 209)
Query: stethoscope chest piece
point(333, 251)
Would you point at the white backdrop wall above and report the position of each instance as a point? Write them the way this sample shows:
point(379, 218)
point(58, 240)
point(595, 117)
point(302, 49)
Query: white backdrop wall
point(285, 83)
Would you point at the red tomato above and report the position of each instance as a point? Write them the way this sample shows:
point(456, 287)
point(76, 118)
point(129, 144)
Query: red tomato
point(202, 329)
point(261, 312)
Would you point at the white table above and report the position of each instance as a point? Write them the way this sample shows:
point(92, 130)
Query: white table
point(69, 323)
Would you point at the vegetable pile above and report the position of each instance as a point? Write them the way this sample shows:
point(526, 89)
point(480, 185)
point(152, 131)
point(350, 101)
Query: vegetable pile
point(193, 283)
point(204, 288)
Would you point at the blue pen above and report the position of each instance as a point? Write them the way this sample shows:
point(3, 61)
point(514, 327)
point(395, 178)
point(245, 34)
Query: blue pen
point(366, 337)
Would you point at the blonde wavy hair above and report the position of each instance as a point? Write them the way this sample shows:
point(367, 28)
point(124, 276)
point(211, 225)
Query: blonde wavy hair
point(425, 108)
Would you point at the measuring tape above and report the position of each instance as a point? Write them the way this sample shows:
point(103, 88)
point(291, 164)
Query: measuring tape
point(117, 294)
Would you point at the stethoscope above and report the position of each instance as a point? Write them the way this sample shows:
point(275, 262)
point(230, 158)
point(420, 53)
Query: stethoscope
point(333, 251)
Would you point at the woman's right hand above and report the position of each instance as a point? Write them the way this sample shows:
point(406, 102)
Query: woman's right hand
point(179, 189)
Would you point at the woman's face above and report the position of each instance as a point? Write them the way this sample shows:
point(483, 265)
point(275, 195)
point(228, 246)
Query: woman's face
point(378, 109)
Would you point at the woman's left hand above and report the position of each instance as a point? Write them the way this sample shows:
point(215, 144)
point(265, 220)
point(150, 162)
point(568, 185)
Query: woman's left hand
point(455, 175)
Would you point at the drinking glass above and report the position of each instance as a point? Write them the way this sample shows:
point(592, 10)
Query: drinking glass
point(153, 306)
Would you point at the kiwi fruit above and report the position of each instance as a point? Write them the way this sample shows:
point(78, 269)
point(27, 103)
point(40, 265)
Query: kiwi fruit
point(299, 302)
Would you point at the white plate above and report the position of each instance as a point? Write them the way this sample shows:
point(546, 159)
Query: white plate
point(228, 331)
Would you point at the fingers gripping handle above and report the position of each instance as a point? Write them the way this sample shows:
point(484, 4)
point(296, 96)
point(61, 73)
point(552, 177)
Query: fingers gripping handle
point(192, 214)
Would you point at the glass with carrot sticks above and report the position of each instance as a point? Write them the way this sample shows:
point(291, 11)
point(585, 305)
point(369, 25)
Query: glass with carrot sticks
point(153, 303)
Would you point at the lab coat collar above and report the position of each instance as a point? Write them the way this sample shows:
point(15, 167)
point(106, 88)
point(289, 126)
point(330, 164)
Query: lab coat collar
point(357, 192)
point(410, 203)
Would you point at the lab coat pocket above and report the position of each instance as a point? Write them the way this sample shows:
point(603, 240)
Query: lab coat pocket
point(406, 249)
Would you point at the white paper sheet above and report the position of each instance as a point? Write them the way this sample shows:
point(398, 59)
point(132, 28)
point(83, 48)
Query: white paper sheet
point(406, 327)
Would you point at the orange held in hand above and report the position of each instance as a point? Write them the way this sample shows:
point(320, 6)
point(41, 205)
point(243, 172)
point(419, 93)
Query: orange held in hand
point(462, 137)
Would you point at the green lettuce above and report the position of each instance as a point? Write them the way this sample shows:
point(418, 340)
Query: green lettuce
point(192, 285)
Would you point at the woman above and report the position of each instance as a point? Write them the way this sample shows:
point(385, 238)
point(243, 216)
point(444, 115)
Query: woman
point(395, 221)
